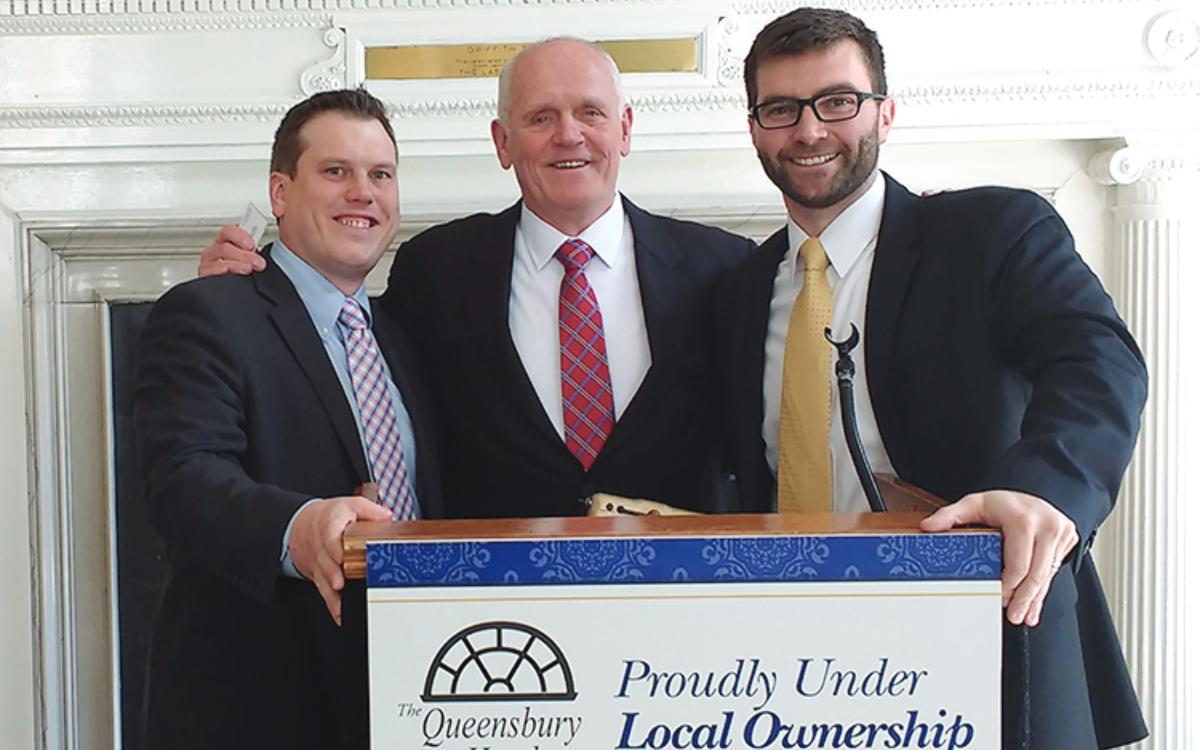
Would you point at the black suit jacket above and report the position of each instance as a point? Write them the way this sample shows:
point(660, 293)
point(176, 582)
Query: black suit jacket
point(501, 455)
point(994, 359)
point(242, 419)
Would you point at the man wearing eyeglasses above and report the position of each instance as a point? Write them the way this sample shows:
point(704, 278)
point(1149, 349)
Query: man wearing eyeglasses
point(995, 371)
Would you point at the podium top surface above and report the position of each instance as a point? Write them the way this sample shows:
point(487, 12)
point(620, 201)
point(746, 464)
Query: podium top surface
point(358, 535)
point(731, 524)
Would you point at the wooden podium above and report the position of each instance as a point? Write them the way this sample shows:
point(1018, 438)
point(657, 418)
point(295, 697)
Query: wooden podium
point(734, 631)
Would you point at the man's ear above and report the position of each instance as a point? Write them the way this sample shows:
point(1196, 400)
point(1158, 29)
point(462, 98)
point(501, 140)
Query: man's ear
point(277, 188)
point(887, 112)
point(626, 128)
point(753, 131)
point(500, 139)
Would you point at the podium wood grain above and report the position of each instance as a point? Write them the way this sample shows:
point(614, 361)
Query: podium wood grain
point(767, 524)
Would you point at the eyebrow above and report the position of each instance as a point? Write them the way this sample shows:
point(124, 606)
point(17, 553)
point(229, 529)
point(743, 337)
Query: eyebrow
point(555, 107)
point(343, 161)
point(535, 110)
point(834, 88)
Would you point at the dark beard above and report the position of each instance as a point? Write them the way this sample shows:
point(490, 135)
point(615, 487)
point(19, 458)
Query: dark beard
point(844, 185)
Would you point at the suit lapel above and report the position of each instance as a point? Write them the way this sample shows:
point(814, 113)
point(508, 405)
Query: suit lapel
point(402, 365)
point(661, 281)
point(295, 326)
point(750, 335)
point(489, 283)
point(656, 257)
point(895, 259)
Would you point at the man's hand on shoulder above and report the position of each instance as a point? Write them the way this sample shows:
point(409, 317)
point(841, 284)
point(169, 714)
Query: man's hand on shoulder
point(316, 543)
point(232, 251)
point(1037, 536)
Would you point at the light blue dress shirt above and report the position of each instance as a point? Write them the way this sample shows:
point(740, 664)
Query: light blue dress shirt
point(324, 303)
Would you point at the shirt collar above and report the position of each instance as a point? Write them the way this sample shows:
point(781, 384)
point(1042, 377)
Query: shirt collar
point(603, 235)
point(850, 234)
point(321, 298)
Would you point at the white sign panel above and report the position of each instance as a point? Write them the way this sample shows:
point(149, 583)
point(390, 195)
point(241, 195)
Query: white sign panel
point(636, 664)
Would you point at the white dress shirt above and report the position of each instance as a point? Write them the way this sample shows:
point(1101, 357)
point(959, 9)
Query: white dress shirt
point(533, 306)
point(850, 244)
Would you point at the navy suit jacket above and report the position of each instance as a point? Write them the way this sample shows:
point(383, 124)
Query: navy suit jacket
point(241, 420)
point(501, 455)
point(994, 359)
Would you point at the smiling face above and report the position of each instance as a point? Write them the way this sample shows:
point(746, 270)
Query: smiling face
point(564, 131)
point(821, 167)
point(339, 211)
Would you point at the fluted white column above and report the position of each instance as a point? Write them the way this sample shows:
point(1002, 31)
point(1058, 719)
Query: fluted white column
point(1145, 556)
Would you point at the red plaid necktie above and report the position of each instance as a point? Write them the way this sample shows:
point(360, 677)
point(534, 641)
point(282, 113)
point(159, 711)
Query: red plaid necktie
point(587, 395)
point(384, 450)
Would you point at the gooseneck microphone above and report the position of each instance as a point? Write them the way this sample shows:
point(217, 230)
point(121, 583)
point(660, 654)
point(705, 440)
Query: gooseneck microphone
point(844, 370)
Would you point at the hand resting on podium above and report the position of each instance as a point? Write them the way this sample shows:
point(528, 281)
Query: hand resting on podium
point(316, 543)
point(1037, 538)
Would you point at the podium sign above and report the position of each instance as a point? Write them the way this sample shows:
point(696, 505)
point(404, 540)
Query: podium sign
point(706, 640)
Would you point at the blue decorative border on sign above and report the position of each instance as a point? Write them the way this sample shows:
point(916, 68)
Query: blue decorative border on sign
point(914, 557)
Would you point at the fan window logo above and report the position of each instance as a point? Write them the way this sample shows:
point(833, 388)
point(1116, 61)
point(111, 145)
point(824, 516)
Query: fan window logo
point(499, 661)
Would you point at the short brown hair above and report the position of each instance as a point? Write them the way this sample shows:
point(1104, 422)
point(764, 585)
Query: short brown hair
point(806, 29)
point(357, 103)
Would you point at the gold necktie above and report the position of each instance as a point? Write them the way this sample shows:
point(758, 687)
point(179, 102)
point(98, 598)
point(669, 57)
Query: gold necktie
point(804, 476)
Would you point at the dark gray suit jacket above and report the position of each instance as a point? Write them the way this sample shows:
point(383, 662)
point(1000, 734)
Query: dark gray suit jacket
point(501, 455)
point(242, 419)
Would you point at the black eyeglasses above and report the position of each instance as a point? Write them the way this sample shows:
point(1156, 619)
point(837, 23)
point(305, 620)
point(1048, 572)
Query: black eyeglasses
point(785, 112)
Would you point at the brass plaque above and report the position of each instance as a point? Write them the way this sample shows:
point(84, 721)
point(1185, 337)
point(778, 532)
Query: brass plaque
point(434, 61)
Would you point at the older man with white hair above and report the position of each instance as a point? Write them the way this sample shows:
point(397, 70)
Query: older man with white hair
point(565, 337)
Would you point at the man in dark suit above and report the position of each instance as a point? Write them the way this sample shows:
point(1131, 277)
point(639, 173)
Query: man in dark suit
point(262, 403)
point(555, 381)
point(997, 373)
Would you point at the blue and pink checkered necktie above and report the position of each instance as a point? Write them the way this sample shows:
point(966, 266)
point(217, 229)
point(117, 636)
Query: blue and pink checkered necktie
point(384, 449)
point(587, 394)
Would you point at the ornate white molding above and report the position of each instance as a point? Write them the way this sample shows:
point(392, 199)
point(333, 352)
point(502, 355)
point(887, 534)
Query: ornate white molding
point(1166, 191)
point(1154, 179)
point(1173, 38)
point(931, 95)
point(116, 116)
point(1117, 166)
point(778, 7)
point(41, 8)
point(30, 17)
point(726, 98)
point(328, 74)
point(17, 118)
point(121, 7)
point(102, 23)
point(729, 52)
point(1174, 165)
point(1107, 88)
point(690, 101)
